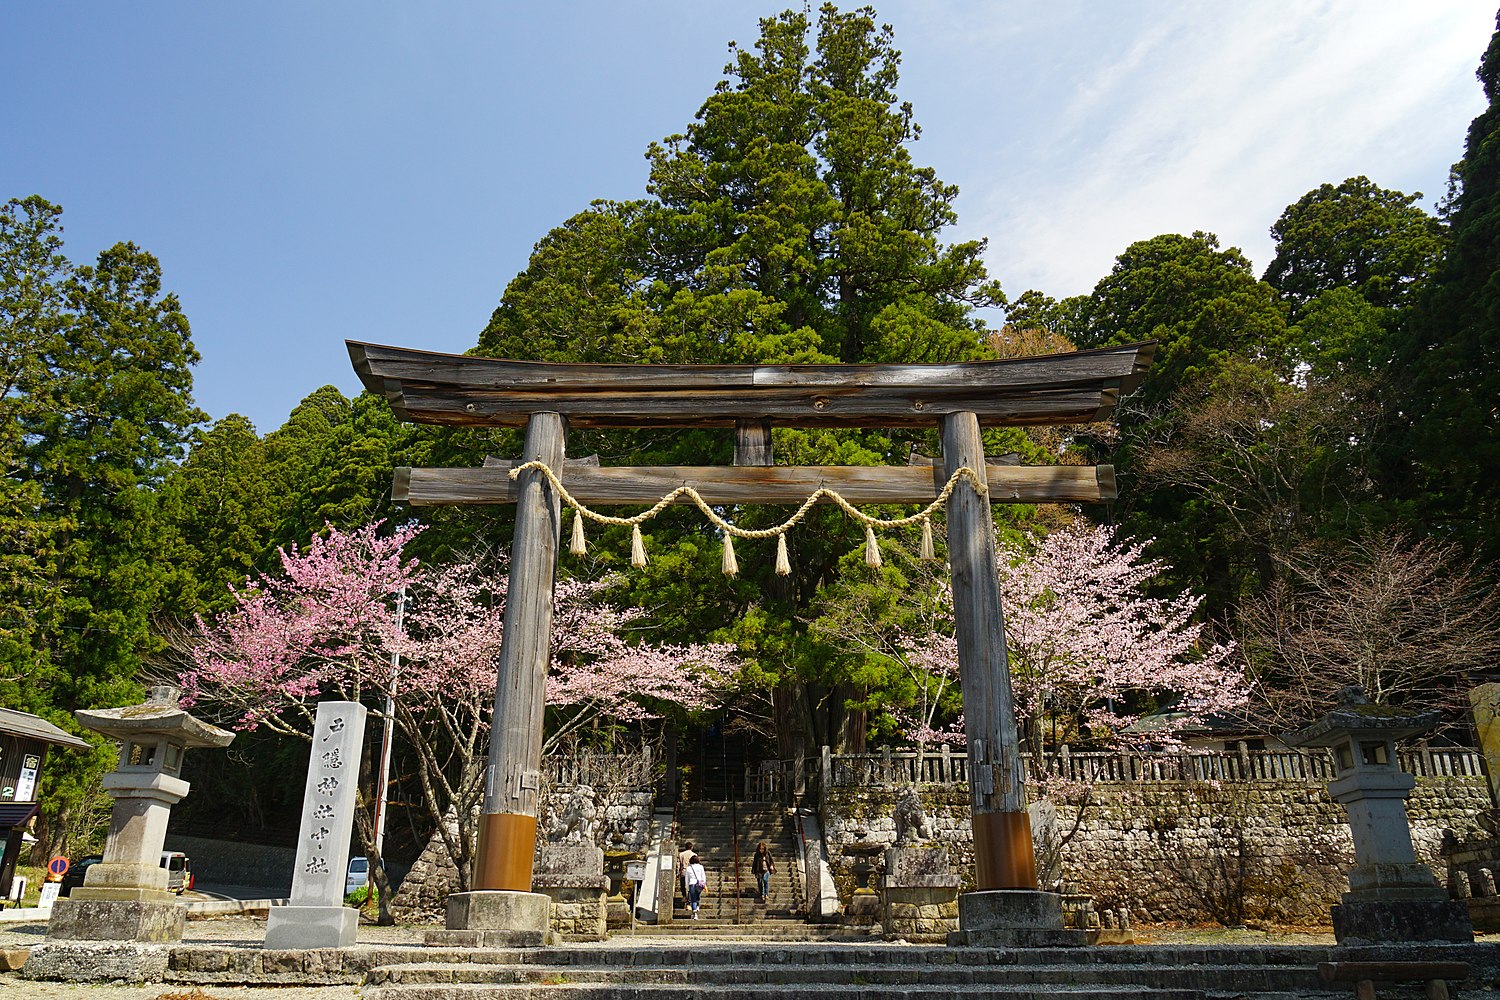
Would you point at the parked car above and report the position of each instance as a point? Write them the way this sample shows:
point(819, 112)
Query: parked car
point(179, 871)
point(73, 878)
point(358, 875)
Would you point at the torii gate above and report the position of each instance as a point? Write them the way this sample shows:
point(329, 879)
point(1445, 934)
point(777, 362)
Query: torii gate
point(547, 399)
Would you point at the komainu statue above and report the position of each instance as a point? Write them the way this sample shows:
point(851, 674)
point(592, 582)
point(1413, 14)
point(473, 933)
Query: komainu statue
point(578, 819)
point(912, 824)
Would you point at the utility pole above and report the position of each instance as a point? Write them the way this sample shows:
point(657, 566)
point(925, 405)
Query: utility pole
point(382, 790)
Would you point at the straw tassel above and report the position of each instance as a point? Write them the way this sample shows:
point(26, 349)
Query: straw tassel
point(637, 548)
point(783, 566)
point(578, 546)
point(731, 565)
point(872, 548)
point(927, 551)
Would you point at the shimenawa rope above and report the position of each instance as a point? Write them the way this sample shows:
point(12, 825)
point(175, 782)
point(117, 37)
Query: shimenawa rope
point(731, 565)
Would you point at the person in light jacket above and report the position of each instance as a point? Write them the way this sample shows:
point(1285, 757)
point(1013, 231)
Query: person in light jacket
point(696, 878)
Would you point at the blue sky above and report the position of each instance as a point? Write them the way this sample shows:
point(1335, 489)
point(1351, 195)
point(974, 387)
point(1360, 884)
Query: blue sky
point(379, 171)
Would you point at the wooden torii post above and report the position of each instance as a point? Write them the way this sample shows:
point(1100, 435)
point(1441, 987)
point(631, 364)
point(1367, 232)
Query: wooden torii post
point(548, 399)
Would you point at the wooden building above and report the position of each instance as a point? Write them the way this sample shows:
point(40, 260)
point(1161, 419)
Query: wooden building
point(24, 742)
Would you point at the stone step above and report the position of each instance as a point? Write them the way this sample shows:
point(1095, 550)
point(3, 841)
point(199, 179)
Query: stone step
point(1152, 978)
point(901, 954)
point(595, 991)
point(776, 925)
point(743, 933)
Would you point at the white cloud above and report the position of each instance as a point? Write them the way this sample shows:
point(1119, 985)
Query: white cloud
point(1216, 117)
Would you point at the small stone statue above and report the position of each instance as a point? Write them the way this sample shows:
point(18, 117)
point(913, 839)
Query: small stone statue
point(912, 824)
point(577, 821)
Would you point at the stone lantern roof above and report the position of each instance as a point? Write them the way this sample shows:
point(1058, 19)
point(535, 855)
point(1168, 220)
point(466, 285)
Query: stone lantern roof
point(159, 715)
point(1356, 718)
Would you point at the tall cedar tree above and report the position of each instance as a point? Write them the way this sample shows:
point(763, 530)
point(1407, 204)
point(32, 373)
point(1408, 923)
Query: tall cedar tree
point(1205, 308)
point(788, 223)
point(1355, 235)
point(1447, 368)
point(100, 407)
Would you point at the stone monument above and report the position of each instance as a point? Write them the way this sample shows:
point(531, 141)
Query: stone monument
point(125, 897)
point(316, 916)
point(570, 870)
point(1392, 896)
point(921, 894)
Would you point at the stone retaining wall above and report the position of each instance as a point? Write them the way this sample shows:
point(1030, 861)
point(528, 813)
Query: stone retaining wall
point(228, 862)
point(1271, 851)
point(625, 816)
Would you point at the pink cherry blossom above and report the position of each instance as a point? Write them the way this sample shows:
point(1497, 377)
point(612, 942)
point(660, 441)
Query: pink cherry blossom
point(1085, 642)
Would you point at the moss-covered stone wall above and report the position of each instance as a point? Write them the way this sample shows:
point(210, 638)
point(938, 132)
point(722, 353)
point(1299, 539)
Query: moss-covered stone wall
point(1263, 851)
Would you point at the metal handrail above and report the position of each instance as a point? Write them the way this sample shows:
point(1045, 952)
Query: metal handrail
point(734, 835)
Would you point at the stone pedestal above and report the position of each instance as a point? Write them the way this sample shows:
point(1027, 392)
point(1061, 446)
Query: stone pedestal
point(1012, 918)
point(579, 907)
point(117, 920)
point(311, 927)
point(864, 908)
point(1398, 902)
point(571, 875)
point(1381, 921)
point(921, 895)
point(494, 918)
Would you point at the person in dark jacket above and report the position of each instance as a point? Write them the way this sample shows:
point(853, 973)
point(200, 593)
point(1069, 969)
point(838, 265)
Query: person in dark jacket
point(763, 866)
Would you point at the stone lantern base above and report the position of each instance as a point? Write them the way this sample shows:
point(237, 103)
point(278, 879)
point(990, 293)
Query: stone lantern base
point(116, 920)
point(1385, 921)
point(1398, 902)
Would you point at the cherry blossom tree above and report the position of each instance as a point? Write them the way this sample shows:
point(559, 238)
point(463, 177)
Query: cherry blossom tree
point(1087, 645)
point(326, 626)
point(322, 628)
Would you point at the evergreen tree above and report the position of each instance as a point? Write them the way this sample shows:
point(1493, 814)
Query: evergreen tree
point(1200, 303)
point(32, 309)
point(220, 501)
point(1359, 236)
point(1447, 368)
point(1206, 310)
point(788, 223)
point(96, 408)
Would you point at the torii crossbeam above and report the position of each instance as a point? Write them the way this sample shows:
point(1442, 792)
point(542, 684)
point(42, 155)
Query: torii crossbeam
point(959, 399)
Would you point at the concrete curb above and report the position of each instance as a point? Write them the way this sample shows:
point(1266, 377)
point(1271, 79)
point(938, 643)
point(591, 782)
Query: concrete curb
point(231, 907)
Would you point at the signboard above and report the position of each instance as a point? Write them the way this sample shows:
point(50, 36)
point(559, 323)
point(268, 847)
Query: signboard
point(49, 894)
point(58, 866)
point(26, 786)
point(635, 871)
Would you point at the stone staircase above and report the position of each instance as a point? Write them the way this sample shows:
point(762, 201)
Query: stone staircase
point(875, 972)
point(729, 908)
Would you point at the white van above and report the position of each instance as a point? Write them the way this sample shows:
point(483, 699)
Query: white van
point(358, 875)
point(179, 871)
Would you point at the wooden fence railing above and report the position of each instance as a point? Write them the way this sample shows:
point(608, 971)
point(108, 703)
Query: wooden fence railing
point(632, 770)
point(778, 780)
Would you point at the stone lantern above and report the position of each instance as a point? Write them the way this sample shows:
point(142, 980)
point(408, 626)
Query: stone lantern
point(124, 896)
point(1393, 896)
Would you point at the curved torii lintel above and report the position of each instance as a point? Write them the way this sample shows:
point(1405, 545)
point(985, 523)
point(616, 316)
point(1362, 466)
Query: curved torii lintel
point(429, 387)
